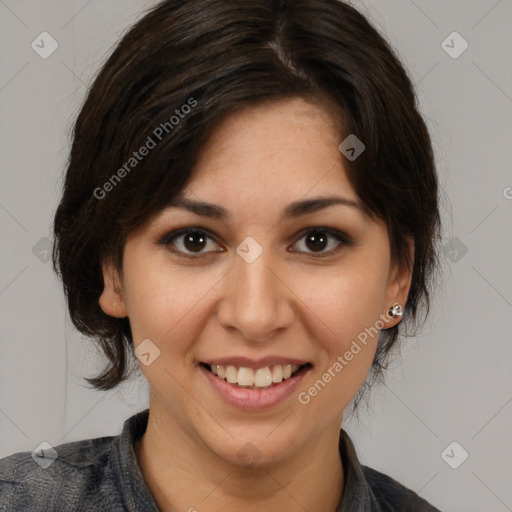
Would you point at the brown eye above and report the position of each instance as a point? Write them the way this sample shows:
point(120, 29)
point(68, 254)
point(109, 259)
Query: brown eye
point(194, 241)
point(190, 242)
point(316, 241)
point(320, 242)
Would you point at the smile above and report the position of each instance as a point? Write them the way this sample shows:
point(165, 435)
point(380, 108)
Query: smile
point(254, 388)
point(260, 378)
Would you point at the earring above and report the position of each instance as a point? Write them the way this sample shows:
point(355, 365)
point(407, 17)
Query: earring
point(395, 310)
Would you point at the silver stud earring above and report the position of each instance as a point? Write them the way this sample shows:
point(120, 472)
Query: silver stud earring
point(395, 310)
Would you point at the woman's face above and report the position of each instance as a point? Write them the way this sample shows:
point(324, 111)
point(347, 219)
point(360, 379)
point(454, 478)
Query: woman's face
point(265, 277)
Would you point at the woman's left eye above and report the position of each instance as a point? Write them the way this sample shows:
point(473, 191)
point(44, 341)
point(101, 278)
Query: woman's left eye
point(318, 242)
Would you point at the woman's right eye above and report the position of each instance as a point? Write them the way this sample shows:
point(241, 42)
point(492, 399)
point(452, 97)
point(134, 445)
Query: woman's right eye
point(189, 242)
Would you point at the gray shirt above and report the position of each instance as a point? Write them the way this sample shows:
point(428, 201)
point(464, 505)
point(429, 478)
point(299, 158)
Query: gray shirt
point(102, 475)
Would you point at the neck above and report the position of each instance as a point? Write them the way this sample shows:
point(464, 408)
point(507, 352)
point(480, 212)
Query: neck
point(184, 474)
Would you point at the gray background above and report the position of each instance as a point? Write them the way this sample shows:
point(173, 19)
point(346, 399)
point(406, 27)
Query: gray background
point(452, 383)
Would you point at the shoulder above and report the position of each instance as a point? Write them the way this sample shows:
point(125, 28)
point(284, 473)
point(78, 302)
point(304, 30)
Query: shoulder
point(392, 496)
point(64, 474)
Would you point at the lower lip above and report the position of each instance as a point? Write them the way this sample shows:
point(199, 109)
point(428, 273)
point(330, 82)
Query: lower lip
point(254, 399)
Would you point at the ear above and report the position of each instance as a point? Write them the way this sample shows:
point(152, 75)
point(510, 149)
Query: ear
point(111, 299)
point(399, 285)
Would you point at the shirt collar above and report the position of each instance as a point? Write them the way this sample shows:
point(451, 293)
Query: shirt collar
point(357, 493)
point(125, 467)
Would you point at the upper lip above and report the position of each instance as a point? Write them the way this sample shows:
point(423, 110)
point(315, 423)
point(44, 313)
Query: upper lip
point(246, 362)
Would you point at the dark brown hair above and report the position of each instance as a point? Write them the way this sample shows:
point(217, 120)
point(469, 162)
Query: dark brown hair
point(174, 76)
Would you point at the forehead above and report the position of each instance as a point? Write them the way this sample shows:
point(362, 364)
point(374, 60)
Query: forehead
point(281, 150)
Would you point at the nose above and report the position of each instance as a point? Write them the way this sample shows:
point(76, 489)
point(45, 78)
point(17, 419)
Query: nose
point(256, 301)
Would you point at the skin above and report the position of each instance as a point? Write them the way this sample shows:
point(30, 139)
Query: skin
point(287, 302)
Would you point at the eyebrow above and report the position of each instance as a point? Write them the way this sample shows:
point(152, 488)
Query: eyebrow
point(292, 211)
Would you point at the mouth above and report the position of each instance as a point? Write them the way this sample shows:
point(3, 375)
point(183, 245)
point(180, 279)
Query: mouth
point(256, 378)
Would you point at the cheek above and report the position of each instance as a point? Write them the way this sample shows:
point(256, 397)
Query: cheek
point(343, 318)
point(345, 300)
point(168, 308)
point(161, 304)
point(339, 376)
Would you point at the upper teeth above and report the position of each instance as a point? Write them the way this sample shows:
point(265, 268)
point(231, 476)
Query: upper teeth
point(262, 377)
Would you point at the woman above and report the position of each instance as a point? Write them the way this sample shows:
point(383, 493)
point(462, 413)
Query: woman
point(250, 208)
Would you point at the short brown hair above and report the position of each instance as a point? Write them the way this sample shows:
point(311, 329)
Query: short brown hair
point(216, 56)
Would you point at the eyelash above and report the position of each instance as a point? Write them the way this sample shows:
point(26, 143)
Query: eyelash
point(344, 240)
